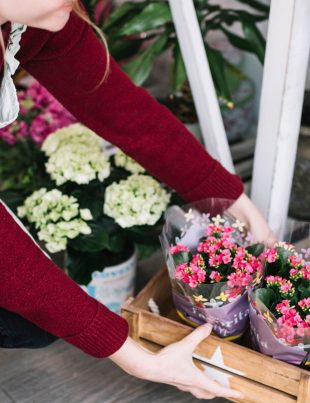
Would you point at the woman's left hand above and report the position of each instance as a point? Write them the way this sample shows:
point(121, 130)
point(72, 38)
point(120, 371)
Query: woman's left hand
point(245, 210)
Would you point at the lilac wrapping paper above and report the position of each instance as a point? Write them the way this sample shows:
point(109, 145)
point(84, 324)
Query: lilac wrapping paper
point(266, 342)
point(228, 320)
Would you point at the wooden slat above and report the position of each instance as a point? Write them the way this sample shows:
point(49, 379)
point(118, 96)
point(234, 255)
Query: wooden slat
point(256, 366)
point(304, 389)
point(253, 391)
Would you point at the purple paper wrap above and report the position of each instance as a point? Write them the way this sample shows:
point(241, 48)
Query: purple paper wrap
point(229, 321)
point(266, 342)
point(214, 303)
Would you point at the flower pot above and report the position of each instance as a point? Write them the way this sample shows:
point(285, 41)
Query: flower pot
point(114, 285)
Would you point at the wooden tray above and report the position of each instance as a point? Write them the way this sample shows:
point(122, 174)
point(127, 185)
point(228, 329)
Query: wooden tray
point(262, 379)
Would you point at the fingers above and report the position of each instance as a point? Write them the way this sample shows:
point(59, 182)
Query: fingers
point(215, 388)
point(197, 336)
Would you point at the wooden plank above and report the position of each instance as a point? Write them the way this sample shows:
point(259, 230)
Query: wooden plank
point(253, 391)
point(200, 79)
point(304, 389)
point(280, 107)
point(271, 372)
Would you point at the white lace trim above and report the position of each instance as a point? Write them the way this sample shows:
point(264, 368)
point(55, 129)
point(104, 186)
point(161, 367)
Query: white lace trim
point(9, 106)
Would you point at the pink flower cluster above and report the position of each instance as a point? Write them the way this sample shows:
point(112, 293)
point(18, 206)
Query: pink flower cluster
point(284, 286)
point(291, 323)
point(191, 274)
point(219, 259)
point(40, 115)
point(292, 309)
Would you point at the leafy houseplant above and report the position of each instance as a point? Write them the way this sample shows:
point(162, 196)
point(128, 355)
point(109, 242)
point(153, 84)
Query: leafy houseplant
point(60, 182)
point(95, 208)
point(150, 23)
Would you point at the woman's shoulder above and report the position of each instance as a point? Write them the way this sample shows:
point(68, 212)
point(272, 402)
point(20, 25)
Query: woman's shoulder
point(44, 44)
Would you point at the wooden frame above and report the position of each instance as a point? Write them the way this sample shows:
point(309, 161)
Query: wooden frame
point(285, 70)
point(200, 79)
point(261, 379)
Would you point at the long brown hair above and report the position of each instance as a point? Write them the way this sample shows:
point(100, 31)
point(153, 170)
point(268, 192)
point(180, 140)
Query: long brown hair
point(80, 11)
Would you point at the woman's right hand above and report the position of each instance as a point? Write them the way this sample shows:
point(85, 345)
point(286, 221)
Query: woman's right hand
point(173, 365)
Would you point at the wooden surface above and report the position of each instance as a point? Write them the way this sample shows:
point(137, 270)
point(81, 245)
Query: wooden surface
point(259, 377)
point(62, 374)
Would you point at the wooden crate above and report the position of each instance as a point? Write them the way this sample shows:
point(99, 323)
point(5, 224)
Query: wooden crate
point(260, 378)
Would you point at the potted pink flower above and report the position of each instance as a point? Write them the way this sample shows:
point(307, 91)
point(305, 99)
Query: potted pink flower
point(211, 261)
point(280, 308)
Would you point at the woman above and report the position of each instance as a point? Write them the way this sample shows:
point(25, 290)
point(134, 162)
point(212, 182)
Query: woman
point(59, 49)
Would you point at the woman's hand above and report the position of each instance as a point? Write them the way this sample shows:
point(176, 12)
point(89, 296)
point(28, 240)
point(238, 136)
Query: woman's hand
point(246, 211)
point(173, 365)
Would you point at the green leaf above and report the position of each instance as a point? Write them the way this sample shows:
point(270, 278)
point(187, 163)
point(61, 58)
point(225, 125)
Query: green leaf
point(237, 41)
point(256, 4)
point(217, 67)
point(256, 249)
point(266, 295)
point(81, 265)
point(140, 68)
point(121, 12)
point(178, 73)
point(124, 48)
point(254, 36)
point(151, 17)
point(105, 235)
point(304, 291)
point(181, 257)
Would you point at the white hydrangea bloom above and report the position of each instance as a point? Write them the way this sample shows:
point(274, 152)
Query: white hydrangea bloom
point(73, 134)
point(124, 161)
point(78, 163)
point(138, 200)
point(76, 154)
point(56, 216)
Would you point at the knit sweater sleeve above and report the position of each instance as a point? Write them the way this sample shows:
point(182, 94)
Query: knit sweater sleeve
point(35, 288)
point(71, 64)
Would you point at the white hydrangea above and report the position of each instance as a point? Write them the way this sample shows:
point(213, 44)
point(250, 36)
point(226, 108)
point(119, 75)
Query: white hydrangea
point(72, 134)
point(138, 200)
point(56, 216)
point(78, 163)
point(124, 161)
point(75, 154)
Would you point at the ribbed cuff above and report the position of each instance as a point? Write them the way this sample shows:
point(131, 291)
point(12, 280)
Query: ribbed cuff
point(219, 183)
point(104, 336)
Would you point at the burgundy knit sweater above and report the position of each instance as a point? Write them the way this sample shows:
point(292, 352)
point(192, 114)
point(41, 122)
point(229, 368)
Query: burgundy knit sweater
point(70, 64)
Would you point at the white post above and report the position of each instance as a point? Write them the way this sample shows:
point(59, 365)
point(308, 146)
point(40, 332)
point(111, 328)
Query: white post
point(286, 61)
point(199, 75)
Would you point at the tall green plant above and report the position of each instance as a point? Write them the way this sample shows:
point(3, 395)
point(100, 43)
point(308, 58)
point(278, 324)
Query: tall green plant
point(150, 23)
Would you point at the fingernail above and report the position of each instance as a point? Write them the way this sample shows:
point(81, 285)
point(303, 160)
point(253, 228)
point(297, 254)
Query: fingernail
point(208, 326)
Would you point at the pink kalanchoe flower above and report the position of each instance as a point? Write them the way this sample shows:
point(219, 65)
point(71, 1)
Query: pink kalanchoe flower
point(178, 248)
point(305, 304)
point(306, 272)
point(215, 276)
point(283, 307)
point(271, 255)
point(274, 280)
point(295, 274)
point(198, 260)
point(296, 261)
point(287, 289)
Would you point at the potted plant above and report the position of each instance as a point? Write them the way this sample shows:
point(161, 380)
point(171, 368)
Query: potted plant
point(139, 32)
point(97, 210)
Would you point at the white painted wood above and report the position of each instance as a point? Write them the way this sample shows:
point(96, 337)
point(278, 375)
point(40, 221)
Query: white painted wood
point(288, 43)
point(200, 79)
